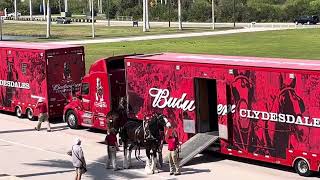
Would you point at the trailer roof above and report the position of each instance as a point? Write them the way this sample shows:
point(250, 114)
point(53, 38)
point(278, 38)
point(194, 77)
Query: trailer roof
point(234, 60)
point(40, 46)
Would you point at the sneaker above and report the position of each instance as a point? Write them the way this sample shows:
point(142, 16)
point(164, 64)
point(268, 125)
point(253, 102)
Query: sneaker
point(177, 174)
point(36, 129)
point(171, 173)
point(49, 130)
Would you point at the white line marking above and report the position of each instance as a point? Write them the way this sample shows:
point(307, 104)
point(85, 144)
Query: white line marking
point(65, 155)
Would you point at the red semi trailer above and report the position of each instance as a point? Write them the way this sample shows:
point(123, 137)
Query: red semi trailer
point(265, 109)
point(30, 71)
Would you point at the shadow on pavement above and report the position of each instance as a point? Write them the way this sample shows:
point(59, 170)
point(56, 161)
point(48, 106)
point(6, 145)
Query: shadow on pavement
point(44, 173)
point(57, 128)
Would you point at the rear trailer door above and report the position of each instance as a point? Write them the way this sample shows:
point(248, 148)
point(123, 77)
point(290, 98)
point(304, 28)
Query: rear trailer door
point(64, 72)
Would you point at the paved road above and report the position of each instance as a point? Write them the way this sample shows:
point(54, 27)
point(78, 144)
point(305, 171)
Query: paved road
point(32, 155)
point(174, 24)
point(168, 36)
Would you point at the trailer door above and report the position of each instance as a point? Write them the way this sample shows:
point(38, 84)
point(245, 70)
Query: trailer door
point(224, 110)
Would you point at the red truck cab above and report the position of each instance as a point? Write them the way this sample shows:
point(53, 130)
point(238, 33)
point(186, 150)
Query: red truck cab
point(100, 91)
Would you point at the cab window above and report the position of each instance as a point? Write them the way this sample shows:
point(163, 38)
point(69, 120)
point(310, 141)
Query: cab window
point(85, 89)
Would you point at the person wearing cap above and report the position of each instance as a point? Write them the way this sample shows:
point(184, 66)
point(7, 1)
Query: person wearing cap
point(173, 147)
point(113, 147)
point(78, 159)
point(43, 114)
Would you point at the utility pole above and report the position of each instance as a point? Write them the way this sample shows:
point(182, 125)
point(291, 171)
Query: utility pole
point(179, 14)
point(92, 18)
point(213, 21)
point(108, 12)
point(100, 4)
point(15, 10)
point(48, 19)
point(169, 13)
point(44, 8)
point(30, 6)
point(66, 6)
point(234, 13)
point(144, 16)
point(147, 15)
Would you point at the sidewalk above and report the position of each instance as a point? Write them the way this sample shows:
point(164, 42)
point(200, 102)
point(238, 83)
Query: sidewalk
point(169, 36)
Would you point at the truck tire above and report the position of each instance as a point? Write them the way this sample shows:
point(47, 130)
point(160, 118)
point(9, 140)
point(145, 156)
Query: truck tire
point(308, 22)
point(302, 168)
point(72, 119)
point(29, 114)
point(18, 112)
point(296, 22)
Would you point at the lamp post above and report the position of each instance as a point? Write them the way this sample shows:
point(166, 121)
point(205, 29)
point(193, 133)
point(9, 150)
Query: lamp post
point(30, 6)
point(44, 8)
point(234, 13)
point(179, 14)
point(15, 10)
point(108, 12)
point(92, 18)
point(48, 19)
point(213, 21)
point(169, 13)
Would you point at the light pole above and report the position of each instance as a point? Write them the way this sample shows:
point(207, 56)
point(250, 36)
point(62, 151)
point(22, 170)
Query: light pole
point(179, 14)
point(144, 16)
point(108, 12)
point(92, 19)
point(169, 13)
point(30, 6)
point(15, 9)
point(44, 8)
point(147, 15)
point(66, 6)
point(213, 22)
point(234, 13)
point(48, 19)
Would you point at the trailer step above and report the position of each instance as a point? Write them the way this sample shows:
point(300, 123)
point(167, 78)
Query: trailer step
point(196, 145)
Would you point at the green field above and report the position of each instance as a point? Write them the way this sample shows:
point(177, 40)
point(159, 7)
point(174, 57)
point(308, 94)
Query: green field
point(71, 32)
point(302, 43)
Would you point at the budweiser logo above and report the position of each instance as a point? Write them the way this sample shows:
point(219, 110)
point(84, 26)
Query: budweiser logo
point(57, 88)
point(162, 100)
point(14, 84)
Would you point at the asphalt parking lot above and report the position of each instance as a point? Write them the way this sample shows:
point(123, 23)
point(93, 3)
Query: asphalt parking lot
point(32, 155)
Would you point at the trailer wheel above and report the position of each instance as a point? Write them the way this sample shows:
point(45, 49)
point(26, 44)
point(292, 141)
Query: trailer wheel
point(302, 167)
point(72, 119)
point(18, 112)
point(29, 114)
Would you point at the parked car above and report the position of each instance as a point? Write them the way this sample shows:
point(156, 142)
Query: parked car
point(63, 20)
point(306, 20)
point(12, 14)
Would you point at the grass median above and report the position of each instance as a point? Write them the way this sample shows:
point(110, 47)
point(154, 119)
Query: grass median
point(299, 43)
point(79, 32)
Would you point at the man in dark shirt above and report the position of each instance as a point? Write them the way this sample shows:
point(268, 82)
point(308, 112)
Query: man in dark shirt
point(43, 114)
point(111, 142)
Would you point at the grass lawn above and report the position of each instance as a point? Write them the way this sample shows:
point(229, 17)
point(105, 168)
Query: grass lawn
point(69, 32)
point(302, 43)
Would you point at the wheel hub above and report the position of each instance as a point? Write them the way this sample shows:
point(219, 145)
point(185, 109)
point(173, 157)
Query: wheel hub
point(303, 166)
point(72, 119)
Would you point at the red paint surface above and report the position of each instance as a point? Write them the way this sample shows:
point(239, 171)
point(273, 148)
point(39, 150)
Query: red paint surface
point(253, 86)
point(50, 71)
